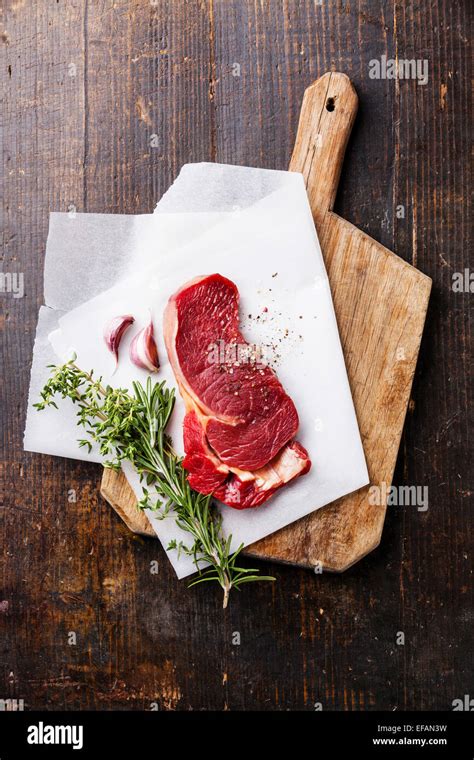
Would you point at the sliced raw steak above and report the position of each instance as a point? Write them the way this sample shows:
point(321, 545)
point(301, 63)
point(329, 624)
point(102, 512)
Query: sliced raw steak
point(240, 421)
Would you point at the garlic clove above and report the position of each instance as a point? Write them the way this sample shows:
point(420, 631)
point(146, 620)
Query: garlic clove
point(114, 332)
point(143, 350)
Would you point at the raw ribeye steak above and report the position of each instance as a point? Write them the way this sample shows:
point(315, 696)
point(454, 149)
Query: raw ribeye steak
point(240, 423)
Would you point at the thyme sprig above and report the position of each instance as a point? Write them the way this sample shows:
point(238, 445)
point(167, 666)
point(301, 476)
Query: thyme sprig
point(132, 427)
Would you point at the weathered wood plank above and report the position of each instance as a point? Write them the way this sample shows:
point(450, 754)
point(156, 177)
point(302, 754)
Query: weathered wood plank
point(73, 566)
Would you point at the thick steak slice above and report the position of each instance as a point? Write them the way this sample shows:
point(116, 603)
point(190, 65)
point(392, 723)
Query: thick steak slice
point(246, 415)
point(240, 423)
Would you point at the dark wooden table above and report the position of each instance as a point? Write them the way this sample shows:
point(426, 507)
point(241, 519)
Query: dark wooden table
point(104, 103)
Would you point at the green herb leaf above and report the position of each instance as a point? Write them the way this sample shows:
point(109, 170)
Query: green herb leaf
point(133, 427)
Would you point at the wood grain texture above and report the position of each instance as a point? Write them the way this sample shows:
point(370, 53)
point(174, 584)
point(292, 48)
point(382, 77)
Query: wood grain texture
point(380, 303)
point(72, 565)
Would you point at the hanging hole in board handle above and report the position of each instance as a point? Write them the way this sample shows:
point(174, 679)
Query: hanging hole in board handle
point(330, 104)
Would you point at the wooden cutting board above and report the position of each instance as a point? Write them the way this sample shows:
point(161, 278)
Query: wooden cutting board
point(381, 303)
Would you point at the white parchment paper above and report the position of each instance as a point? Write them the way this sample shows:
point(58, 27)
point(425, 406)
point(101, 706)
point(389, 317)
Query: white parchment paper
point(255, 227)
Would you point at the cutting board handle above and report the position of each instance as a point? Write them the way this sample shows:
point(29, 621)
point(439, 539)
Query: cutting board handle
point(327, 115)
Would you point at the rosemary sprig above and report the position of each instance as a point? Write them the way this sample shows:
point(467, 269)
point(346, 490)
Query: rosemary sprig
point(132, 427)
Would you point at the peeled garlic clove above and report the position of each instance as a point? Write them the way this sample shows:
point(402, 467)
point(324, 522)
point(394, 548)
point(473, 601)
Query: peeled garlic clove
point(114, 332)
point(143, 351)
